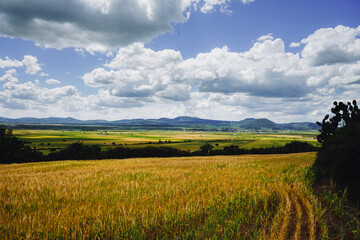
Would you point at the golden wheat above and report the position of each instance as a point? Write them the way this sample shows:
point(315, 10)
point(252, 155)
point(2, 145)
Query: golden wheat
point(224, 197)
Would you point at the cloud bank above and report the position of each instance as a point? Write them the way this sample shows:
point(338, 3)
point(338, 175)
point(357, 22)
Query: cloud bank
point(96, 25)
point(264, 81)
point(265, 70)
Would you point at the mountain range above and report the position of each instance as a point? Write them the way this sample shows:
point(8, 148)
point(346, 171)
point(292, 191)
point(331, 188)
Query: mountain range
point(168, 123)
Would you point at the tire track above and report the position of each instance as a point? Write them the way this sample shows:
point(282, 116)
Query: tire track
point(297, 221)
point(293, 215)
point(304, 227)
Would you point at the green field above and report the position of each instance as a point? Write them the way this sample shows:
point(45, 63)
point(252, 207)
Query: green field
point(221, 197)
point(44, 140)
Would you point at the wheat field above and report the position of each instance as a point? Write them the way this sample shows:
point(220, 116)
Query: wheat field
point(220, 197)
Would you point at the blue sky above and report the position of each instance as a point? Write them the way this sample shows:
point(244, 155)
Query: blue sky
point(219, 59)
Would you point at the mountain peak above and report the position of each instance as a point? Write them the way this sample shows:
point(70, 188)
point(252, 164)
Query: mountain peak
point(248, 119)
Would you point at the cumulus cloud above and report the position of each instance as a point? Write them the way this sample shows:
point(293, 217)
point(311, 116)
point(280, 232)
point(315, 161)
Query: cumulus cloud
point(29, 93)
point(8, 63)
point(104, 99)
point(225, 79)
point(265, 70)
point(264, 81)
point(176, 92)
point(332, 45)
point(9, 76)
point(247, 1)
point(136, 72)
point(52, 81)
point(43, 74)
point(96, 25)
point(210, 4)
point(29, 62)
point(265, 37)
point(294, 44)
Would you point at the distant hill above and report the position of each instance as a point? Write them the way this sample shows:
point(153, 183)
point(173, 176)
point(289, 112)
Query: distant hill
point(257, 124)
point(168, 123)
point(303, 126)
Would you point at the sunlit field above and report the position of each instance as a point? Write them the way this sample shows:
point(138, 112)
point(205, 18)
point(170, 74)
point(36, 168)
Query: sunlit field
point(221, 197)
point(45, 140)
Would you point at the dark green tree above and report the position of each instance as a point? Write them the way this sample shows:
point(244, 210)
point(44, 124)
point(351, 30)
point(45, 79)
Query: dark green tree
point(339, 156)
point(77, 151)
point(298, 146)
point(14, 150)
point(206, 148)
point(231, 149)
point(344, 114)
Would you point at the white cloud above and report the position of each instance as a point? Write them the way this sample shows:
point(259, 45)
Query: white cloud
point(104, 99)
point(264, 81)
point(9, 76)
point(136, 72)
point(265, 37)
point(222, 79)
point(210, 4)
point(266, 70)
point(31, 94)
point(97, 25)
point(332, 45)
point(8, 63)
point(52, 81)
point(31, 64)
point(42, 74)
point(176, 92)
point(294, 44)
point(11, 71)
point(247, 1)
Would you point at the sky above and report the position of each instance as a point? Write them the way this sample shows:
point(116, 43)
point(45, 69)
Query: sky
point(287, 61)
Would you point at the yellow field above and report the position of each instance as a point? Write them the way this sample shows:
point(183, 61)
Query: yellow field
point(221, 197)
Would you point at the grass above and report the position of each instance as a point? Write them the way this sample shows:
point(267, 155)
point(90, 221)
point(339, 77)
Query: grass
point(44, 140)
point(221, 197)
